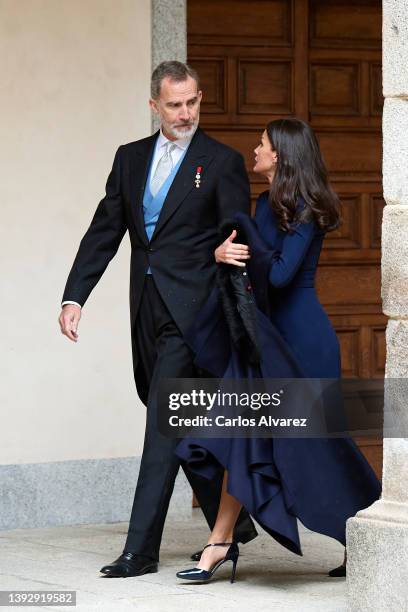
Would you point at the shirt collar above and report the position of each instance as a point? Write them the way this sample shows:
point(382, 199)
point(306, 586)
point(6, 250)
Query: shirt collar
point(181, 142)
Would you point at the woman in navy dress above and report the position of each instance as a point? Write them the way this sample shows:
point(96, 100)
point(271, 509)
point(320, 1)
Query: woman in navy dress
point(320, 481)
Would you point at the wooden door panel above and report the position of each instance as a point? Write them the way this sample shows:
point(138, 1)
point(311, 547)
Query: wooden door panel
point(349, 154)
point(376, 97)
point(213, 79)
point(348, 235)
point(265, 87)
point(237, 22)
point(334, 88)
point(345, 24)
point(349, 284)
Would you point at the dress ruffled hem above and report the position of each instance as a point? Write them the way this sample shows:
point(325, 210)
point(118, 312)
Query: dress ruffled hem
point(276, 503)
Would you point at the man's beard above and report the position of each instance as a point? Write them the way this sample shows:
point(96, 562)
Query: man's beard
point(181, 133)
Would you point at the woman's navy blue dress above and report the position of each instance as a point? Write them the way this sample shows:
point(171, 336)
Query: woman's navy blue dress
point(320, 481)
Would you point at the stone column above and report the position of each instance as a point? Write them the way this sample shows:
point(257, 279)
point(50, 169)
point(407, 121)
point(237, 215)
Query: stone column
point(169, 34)
point(377, 538)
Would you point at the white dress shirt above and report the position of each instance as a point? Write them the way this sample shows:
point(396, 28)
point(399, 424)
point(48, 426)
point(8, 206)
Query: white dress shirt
point(159, 150)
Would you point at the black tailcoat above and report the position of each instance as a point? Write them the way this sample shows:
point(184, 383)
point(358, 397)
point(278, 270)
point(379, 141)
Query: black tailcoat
point(181, 251)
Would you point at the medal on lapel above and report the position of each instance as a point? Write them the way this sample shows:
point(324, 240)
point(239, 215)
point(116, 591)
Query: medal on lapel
point(198, 176)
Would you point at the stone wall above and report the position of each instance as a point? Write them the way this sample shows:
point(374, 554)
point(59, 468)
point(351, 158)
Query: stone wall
point(377, 538)
point(169, 35)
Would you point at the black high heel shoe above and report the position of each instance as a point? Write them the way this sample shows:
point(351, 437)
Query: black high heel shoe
point(341, 571)
point(338, 572)
point(199, 575)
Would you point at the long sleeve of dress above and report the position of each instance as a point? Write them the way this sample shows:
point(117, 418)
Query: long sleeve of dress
point(288, 259)
point(289, 248)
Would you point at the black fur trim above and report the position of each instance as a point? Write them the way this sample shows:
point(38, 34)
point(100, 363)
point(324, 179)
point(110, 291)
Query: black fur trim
point(239, 309)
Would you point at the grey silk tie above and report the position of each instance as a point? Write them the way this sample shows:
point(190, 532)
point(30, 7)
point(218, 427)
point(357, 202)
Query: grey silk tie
point(163, 169)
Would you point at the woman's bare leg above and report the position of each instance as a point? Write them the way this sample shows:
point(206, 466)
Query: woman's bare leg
point(227, 516)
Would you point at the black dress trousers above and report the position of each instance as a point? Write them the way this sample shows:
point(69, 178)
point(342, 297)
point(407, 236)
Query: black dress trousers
point(164, 354)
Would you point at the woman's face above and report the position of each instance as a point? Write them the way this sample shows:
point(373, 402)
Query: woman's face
point(265, 158)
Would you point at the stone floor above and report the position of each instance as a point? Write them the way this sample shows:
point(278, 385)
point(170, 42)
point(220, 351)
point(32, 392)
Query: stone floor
point(268, 577)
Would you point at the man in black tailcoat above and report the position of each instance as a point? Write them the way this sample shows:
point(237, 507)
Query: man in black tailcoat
point(171, 192)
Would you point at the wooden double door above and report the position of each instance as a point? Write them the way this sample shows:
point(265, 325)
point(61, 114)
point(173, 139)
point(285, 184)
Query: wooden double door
point(318, 60)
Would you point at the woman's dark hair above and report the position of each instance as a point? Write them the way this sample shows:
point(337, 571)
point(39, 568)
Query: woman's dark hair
point(300, 172)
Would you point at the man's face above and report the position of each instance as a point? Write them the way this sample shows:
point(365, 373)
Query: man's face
point(178, 107)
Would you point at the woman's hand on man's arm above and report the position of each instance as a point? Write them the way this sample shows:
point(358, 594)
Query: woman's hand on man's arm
point(231, 253)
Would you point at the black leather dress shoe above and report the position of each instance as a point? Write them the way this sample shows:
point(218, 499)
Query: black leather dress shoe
point(338, 572)
point(130, 564)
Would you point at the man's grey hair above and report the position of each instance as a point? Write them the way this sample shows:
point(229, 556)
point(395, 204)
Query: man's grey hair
point(176, 71)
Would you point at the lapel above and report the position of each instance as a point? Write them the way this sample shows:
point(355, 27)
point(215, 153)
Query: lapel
point(139, 168)
point(198, 154)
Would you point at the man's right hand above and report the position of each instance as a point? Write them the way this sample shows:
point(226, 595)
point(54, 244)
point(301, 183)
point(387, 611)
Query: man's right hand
point(68, 320)
point(231, 253)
